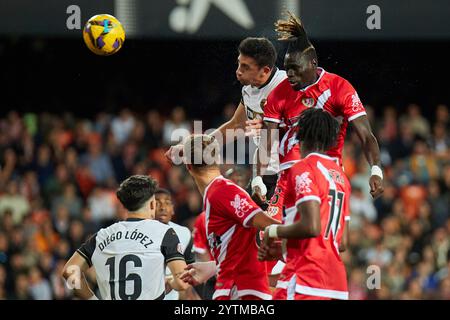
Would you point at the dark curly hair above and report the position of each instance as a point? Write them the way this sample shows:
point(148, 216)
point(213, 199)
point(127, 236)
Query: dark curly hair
point(317, 129)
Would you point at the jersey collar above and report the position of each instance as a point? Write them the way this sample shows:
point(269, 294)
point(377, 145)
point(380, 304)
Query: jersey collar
point(274, 71)
point(318, 79)
point(134, 219)
point(321, 155)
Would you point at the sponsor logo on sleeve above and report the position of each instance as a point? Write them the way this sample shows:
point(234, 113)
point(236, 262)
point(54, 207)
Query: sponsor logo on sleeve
point(241, 206)
point(302, 183)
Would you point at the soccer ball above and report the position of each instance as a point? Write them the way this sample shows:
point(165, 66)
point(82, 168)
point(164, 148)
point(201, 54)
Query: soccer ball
point(103, 34)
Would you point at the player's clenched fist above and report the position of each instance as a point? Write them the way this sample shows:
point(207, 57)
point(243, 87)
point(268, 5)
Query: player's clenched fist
point(175, 154)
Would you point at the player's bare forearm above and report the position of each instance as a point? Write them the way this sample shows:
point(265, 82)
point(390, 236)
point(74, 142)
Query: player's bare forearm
point(372, 152)
point(177, 269)
point(308, 226)
point(236, 122)
point(270, 128)
point(344, 242)
point(368, 141)
point(262, 220)
point(73, 273)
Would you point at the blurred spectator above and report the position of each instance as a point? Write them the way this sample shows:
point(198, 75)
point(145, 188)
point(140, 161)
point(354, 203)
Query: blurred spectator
point(418, 124)
point(102, 206)
point(177, 125)
point(154, 130)
point(39, 287)
point(361, 207)
point(98, 162)
point(70, 200)
point(122, 125)
point(15, 202)
point(22, 287)
point(422, 163)
point(442, 115)
point(59, 174)
point(439, 204)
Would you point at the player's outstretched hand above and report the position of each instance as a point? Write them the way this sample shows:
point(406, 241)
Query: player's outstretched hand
point(253, 127)
point(175, 154)
point(198, 272)
point(376, 186)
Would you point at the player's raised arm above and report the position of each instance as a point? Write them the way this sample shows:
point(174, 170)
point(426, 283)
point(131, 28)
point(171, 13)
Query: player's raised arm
point(372, 152)
point(73, 273)
point(236, 122)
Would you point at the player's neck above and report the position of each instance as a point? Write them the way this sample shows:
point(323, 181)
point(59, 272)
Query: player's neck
point(313, 78)
point(264, 81)
point(203, 180)
point(140, 215)
point(305, 153)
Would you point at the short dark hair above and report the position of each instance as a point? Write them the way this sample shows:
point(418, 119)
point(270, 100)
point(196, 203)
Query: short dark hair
point(164, 191)
point(317, 129)
point(135, 191)
point(260, 49)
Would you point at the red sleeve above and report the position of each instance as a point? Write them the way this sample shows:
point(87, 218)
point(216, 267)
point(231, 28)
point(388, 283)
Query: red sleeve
point(306, 185)
point(200, 241)
point(347, 100)
point(272, 109)
point(237, 205)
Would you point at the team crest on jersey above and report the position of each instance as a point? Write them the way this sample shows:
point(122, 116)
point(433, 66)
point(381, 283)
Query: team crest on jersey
point(272, 211)
point(241, 206)
point(308, 102)
point(356, 103)
point(180, 248)
point(302, 183)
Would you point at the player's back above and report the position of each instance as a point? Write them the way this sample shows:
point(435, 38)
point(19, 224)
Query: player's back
point(129, 258)
point(232, 239)
point(316, 261)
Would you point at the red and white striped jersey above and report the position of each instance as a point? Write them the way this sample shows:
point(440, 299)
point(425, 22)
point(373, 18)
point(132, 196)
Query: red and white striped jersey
point(330, 92)
point(314, 266)
point(232, 240)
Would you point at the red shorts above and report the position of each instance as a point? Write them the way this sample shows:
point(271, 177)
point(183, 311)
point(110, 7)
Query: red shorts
point(281, 294)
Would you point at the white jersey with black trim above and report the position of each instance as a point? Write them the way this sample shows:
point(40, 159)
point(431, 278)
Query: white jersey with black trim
point(129, 258)
point(185, 236)
point(254, 100)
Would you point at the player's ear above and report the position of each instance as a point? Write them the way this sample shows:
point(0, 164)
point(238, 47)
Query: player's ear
point(314, 62)
point(152, 203)
point(267, 70)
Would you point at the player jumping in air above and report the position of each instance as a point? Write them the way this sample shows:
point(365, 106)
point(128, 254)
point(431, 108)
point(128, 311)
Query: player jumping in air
point(309, 86)
point(258, 74)
point(130, 256)
point(317, 210)
point(231, 222)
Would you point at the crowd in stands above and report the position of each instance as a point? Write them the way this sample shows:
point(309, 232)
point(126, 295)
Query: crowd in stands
point(59, 174)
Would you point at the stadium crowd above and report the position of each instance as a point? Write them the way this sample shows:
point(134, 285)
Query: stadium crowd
point(59, 174)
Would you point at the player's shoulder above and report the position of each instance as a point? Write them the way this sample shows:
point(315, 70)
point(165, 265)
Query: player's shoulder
point(281, 89)
point(279, 77)
point(179, 229)
point(334, 79)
